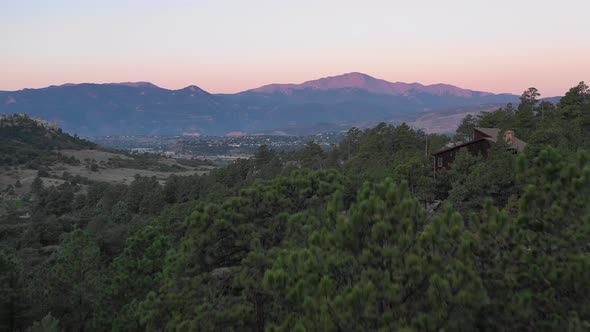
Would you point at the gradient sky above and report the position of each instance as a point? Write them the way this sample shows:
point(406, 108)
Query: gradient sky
point(230, 45)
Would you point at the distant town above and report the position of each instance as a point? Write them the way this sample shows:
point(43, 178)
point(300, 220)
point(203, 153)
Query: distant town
point(215, 148)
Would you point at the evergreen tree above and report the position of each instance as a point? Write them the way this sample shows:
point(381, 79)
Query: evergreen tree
point(552, 255)
point(12, 292)
point(473, 181)
point(465, 130)
point(73, 281)
point(213, 280)
point(381, 266)
point(525, 114)
point(503, 118)
point(37, 185)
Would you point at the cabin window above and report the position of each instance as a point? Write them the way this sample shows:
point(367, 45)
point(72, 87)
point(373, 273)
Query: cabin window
point(440, 162)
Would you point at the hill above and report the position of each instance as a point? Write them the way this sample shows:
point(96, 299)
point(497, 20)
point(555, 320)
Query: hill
point(32, 147)
point(26, 140)
point(142, 108)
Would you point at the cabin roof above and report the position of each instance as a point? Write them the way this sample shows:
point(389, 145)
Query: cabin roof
point(461, 145)
point(492, 133)
point(491, 136)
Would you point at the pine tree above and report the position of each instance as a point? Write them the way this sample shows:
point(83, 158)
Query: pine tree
point(12, 291)
point(73, 281)
point(382, 267)
point(525, 123)
point(465, 130)
point(213, 279)
point(554, 220)
point(37, 185)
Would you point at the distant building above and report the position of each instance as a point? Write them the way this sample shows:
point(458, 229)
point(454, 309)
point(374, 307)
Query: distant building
point(480, 145)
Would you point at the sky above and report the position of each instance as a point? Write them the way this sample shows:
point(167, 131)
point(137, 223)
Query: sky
point(227, 46)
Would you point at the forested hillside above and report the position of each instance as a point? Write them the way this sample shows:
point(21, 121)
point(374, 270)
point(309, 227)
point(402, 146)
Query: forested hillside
point(360, 238)
point(28, 140)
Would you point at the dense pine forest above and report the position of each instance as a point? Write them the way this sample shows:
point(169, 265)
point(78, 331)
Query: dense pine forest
point(362, 237)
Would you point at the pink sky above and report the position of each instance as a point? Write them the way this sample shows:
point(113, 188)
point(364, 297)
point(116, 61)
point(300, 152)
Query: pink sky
point(228, 46)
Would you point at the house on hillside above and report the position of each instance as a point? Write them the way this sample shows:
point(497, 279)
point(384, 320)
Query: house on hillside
point(483, 138)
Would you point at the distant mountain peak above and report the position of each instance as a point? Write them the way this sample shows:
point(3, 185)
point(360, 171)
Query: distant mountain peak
point(361, 81)
point(348, 80)
point(136, 84)
point(193, 89)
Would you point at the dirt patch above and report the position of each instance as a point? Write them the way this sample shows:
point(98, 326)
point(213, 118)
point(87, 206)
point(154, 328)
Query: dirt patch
point(102, 171)
point(24, 176)
point(116, 175)
point(97, 155)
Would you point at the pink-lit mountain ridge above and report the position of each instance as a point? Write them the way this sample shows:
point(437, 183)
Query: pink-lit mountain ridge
point(360, 81)
point(142, 108)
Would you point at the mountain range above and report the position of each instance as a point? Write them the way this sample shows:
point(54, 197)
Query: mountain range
point(331, 103)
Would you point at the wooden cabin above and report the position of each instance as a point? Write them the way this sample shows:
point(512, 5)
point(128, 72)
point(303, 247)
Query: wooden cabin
point(482, 141)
